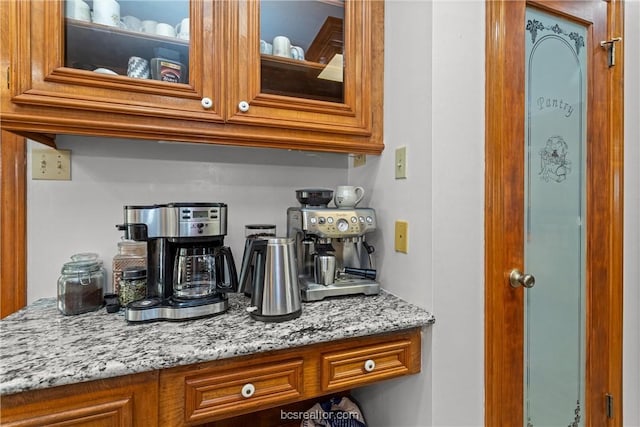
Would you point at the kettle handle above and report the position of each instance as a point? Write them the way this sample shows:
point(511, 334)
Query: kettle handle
point(232, 284)
point(253, 247)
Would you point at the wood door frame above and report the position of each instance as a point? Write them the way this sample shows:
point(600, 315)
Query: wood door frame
point(504, 99)
point(13, 224)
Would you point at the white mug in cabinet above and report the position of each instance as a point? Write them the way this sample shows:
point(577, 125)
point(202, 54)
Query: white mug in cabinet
point(166, 30)
point(106, 12)
point(77, 9)
point(182, 29)
point(282, 46)
point(149, 26)
point(131, 23)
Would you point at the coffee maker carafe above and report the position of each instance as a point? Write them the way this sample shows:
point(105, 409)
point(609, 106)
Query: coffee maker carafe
point(190, 271)
point(333, 256)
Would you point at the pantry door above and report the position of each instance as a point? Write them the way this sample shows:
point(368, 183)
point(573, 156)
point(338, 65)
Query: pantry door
point(553, 213)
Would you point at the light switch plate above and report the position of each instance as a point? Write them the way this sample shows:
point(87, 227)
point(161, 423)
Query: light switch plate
point(401, 163)
point(51, 164)
point(402, 238)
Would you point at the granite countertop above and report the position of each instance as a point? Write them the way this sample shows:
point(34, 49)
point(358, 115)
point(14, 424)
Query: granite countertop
point(40, 348)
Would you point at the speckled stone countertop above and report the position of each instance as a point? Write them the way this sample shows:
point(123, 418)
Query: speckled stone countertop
point(40, 348)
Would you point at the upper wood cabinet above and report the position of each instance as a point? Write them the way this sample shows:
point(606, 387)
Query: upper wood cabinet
point(227, 89)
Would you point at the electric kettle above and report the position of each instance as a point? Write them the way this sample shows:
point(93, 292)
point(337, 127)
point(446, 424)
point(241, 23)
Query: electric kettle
point(275, 295)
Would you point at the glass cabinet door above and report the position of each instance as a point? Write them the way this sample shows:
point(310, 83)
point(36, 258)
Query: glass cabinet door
point(141, 39)
point(303, 64)
point(149, 58)
point(302, 49)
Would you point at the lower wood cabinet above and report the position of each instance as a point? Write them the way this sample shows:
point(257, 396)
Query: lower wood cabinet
point(116, 402)
point(215, 392)
point(223, 392)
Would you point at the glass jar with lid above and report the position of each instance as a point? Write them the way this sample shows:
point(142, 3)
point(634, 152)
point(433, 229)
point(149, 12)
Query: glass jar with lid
point(130, 254)
point(133, 285)
point(81, 285)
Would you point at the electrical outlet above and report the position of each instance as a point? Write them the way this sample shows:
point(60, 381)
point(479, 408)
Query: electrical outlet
point(359, 160)
point(401, 240)
point(51, 164)
point(401, 163)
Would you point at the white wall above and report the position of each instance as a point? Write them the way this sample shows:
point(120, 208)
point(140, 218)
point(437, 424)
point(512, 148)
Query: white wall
point(631, 310)
point(434, 105)
point(66, 217)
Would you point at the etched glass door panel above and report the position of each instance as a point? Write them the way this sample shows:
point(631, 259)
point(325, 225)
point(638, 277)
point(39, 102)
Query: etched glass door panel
point(141, 39)
point(555, 159)
point(302, 49)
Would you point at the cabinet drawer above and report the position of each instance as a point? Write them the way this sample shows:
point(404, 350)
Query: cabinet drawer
point(212, 395)
point(352, 368)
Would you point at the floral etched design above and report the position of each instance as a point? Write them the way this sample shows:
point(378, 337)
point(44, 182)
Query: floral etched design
point(533, 26)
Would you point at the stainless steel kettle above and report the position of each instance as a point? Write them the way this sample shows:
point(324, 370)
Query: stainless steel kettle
point(275, 295)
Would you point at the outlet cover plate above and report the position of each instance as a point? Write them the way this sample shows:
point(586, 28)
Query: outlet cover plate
point(402, 238)
point(51, 164)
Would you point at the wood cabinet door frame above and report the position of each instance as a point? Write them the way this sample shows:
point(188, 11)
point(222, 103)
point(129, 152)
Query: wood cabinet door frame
point(13, 224)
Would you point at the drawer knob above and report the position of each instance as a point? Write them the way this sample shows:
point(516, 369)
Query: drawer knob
point(243, 106)
point(248, 390)
point(369, 365)
point(206, 103)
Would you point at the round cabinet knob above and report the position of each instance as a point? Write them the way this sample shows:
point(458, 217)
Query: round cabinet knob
point(369, 365)
point(206, 103)
point(248, 390)
point(243, 106)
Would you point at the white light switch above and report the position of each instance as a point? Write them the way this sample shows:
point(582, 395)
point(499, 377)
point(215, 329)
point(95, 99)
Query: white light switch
point(401, 163)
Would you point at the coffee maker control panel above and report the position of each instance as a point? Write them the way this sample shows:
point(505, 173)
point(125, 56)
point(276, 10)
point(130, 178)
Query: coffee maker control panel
point(201, 221)
point(336, 223)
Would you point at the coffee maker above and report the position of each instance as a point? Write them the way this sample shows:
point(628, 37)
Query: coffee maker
point(332, 255)
point(189, 270)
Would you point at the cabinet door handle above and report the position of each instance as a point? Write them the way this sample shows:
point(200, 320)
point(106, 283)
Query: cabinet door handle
point(248, 390)
point(207, 103)
point(243, 106)
point(369, 365)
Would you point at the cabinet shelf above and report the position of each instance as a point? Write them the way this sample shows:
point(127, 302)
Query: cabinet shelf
point(292, 77)
point(90, 46)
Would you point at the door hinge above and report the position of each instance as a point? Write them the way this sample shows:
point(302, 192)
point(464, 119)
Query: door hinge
point(8, 77)
point(609, 404)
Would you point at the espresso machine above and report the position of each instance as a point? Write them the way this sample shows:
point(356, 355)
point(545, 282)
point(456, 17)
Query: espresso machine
point(332, 255)
point(189, 270)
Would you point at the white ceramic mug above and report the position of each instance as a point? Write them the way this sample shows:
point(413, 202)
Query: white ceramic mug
point(182, 29)
point(297, 53)
point(266, 48)
point(282, 46)
point(78, 9)
point(106, 12)
point(148, 26)
point(132, 23)
point(163, 29)
point(348, 196)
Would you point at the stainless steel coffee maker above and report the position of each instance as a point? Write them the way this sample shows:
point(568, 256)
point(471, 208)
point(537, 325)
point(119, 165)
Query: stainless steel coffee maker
point(332, 255)
point(189, 270)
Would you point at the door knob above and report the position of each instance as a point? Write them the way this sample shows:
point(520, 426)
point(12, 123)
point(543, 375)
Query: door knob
point(516, 278)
